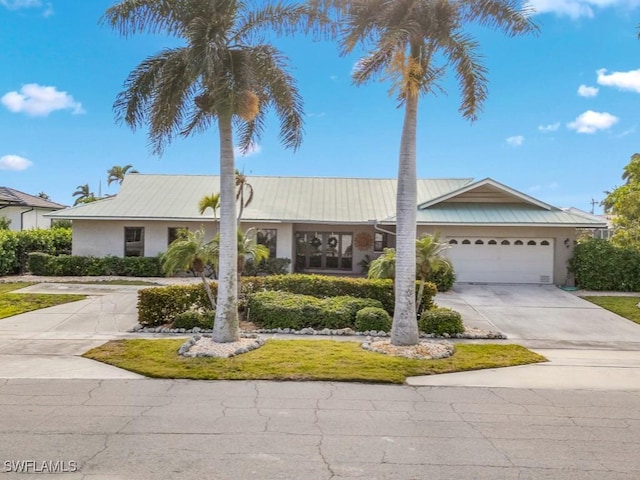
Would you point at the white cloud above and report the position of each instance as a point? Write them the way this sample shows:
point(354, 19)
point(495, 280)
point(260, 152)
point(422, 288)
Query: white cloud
point(622, 80)
point(585, 91)
point(577, 8)
point(591, 122)
point(516, 140)
point(16, 4)
point(253, 149)
point(37, 100)
point(553, 127)
point(14, 162)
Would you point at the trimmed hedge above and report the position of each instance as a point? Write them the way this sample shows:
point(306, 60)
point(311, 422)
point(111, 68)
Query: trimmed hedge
point(191, 319)
point(269, 266)
point(439, 321)
point(160, 305)
point(15, 247)
point(275, 309)
point(372, 318)
point(63, 265)
point(600, 265)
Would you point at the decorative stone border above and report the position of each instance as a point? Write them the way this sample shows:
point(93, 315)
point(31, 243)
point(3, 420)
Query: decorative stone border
point(203, 346)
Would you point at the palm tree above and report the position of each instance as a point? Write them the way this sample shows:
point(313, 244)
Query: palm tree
point(384, 266)
point(409, 37)
point(117, 173)
point(242, 184)
point(221, 73)
point(209, 201)
point(429, 259)
point(83, 194)
point(190, 251)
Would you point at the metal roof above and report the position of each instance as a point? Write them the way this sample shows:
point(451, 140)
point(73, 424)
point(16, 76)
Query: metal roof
point(314, 200)
point(13, 197)
point(502, 214)
point(283, 199)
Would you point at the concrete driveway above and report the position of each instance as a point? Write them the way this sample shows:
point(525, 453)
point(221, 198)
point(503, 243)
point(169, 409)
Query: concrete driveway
point(541, 316)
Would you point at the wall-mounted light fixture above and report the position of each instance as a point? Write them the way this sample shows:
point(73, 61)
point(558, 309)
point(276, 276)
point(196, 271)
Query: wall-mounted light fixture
point(566, 242)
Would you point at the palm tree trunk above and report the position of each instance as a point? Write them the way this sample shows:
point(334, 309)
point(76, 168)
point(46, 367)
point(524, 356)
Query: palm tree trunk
point(226, 326)
point(404, 330)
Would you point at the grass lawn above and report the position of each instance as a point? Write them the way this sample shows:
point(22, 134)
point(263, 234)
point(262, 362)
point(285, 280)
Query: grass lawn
point(301, 360)
point(623, 306)
point(15, 303)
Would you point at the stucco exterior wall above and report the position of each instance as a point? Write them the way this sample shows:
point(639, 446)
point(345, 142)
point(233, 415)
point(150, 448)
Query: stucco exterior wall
point(564, 241)
point(32, 218)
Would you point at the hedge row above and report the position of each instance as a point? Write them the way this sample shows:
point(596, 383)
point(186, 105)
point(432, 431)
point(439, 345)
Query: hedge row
point(600, 265)
point(160, 305)
point(290, 310)
point(49, 265)
point(15, 247)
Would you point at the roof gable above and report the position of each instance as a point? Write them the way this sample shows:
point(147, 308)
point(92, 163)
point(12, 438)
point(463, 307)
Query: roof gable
point(486, 191)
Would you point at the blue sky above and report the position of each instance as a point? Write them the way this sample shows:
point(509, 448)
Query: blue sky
point(560, 123)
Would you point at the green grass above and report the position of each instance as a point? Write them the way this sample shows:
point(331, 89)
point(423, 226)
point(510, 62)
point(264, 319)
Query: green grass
point(623, 306)
point(15, 303)
point(301, 360)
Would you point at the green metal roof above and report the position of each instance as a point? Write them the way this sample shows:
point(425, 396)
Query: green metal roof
point(285, 199)
point(313, 200)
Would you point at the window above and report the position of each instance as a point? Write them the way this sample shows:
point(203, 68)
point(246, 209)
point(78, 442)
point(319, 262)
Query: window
point(518, 242)
point(269, 238)
point(505, 242)
point(544, 242)
point(134, 241)
point(380, 241)
point(479, 242)
point(531, 242)
point(174, 233)
point(466, 242)
point(324, 250)
point(492, 242)
point(453, 241)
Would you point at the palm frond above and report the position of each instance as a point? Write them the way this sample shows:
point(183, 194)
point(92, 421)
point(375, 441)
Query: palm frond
point(503, 15)
point(130, 17)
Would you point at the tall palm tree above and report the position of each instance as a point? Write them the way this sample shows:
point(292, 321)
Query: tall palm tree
point(83, 194)
point(117, 173)
point(243, 184)
point(190, 251)
point(221, 73)
point(413, 43)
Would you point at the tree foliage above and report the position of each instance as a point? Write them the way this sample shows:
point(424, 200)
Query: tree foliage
point(623, 203)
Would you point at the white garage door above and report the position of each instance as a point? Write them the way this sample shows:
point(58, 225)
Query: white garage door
point(501, 260)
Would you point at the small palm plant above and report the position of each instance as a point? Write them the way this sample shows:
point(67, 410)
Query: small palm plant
point(384, 266)
point(429, 260)
point(191, 251)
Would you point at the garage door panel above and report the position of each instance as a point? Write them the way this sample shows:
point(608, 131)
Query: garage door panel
point(502, 263)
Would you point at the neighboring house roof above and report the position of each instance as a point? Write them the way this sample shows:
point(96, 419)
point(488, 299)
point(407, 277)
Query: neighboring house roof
point(13, 197)
point(327, 200)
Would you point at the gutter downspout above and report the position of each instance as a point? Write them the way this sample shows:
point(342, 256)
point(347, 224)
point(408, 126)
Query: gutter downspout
point(376, 226)
point(22, 217)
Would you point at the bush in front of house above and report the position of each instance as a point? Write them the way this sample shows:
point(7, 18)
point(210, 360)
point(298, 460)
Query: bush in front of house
point(443, 279)
point(15, 247)
point(269, 266)
point(191, 319)
point(275, 309)
point(68, 265)
point(373, 319)
point(600, 265)
point(440, 321)
point(159, 305)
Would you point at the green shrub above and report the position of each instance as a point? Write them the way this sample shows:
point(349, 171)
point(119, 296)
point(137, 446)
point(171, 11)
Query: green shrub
point(274, 309)
point(443, 279)
point(160, 310)
point(373, 318)
point(9, 262)
point(439, 321)
point(65, 265)
point(600, 265)
point(160, 305)
point(269, 266)
point(191, 319)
